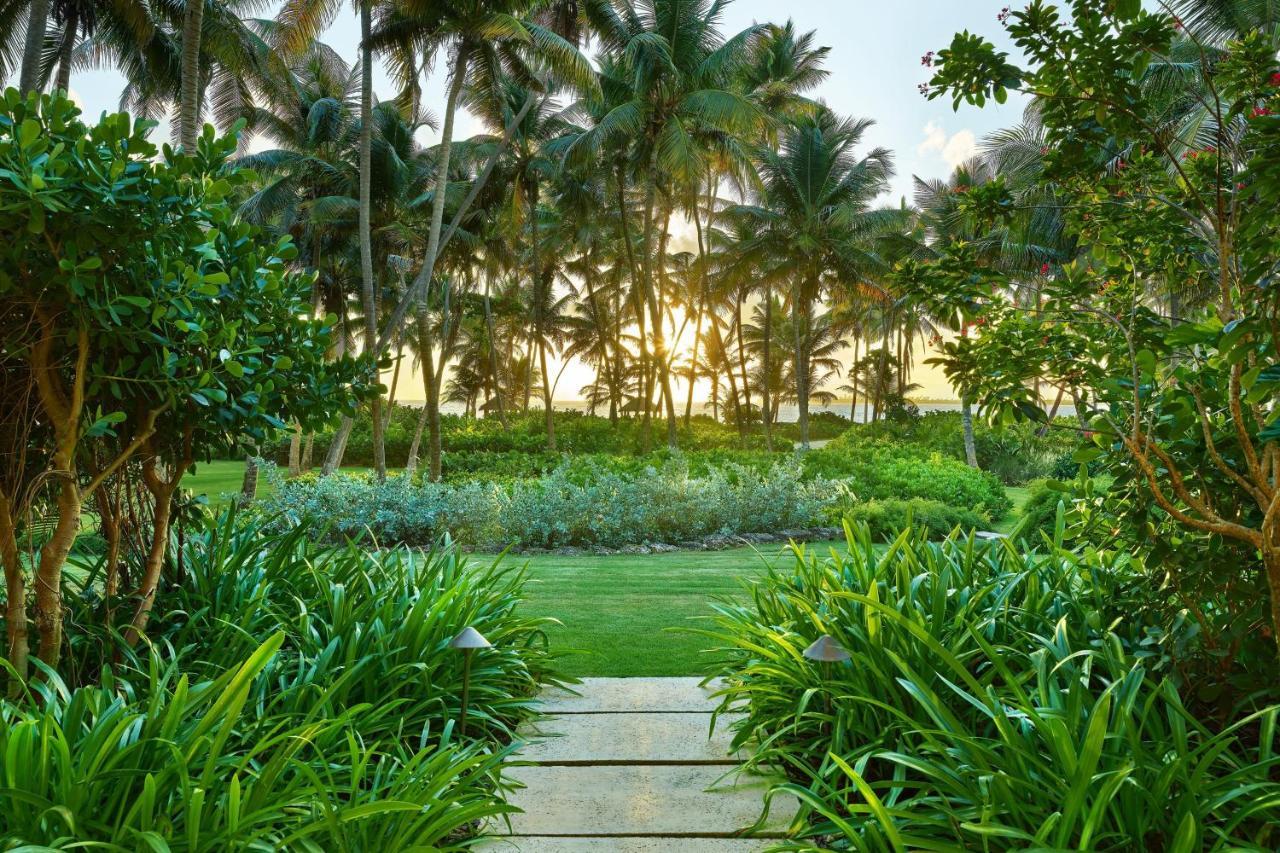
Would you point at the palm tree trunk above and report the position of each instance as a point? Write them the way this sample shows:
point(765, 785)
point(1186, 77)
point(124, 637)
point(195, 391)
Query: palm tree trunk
point(727, 365)
point(33, 47)
point(432, 403)
point(63, 82)
point(655, 311)
point(189, 97)
point(742, 349)
point(338, 444)
point(367, 293)
point(966, 421)
point(389, 409)
point(411, 464)
point(456, 79)
point(701, 305)
point(800, 314)
point(853, 381)
point(548, 413)
point(765, 413)
point(493, 354)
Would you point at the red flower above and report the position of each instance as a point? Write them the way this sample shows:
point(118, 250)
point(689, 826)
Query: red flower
point(1275, 79)
point(1044, 269)
point(1240, 185)
point(1259, 112)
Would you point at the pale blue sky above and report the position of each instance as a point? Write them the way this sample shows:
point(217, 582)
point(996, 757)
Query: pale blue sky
point(874, 63)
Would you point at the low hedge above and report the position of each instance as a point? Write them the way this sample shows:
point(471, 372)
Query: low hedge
point(886, 518)
point(1016, 453)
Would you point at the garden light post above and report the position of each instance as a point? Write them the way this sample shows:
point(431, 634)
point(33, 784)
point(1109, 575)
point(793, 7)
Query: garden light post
point(826, 651)
point(468, 641)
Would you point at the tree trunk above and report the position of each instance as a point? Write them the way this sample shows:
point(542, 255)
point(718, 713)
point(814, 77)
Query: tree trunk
point(655, 311)
point(549, 412)
point(1271, 565)
point(63, 81)
point(767, 412)
point(800, 318)
point(295, 450)
point(249, 485)
point(307, 447)
point(970, 445)
point(727, 365)
point(389, 409)
point(189, 97)
point(15, 596)
point(33, 47)
point(411, 464)
point(493, 354)
point(742, 352)
point(369, 297)
point(338, 446)
point(853, 382)
point(162, 491)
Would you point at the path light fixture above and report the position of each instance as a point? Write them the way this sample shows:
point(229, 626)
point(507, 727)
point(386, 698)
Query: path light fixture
point(826, 651)
point(468, 640)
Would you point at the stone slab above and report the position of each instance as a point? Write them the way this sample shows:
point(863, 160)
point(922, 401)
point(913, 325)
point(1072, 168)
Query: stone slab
point(564, 844)
point(640, 800)
point(661, 738)
point(630, 695)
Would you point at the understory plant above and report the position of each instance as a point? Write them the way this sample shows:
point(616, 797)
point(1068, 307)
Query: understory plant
point(610, 501)
point(291, 696)
point(578, 503)
point(994, 698)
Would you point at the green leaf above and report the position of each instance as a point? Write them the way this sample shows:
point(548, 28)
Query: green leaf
point(28, 132)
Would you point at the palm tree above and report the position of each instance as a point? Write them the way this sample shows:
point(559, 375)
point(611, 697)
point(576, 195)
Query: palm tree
point(677, 70)
point(812, 213)
point(488, 42)
point(528, 167)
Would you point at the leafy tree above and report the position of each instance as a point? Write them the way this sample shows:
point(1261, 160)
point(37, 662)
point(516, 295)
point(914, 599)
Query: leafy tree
point(142, 321)
point(1184, 402)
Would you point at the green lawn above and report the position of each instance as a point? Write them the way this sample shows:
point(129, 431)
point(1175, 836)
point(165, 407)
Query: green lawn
point(220, 479)
point(623, 614)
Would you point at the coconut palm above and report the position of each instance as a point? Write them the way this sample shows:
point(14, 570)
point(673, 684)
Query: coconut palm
point(813, 213)
point(678, 71)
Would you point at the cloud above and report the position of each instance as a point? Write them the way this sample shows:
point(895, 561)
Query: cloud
point(953, 149)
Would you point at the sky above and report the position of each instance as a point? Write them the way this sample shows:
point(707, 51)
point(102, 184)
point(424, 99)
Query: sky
point(875, 69)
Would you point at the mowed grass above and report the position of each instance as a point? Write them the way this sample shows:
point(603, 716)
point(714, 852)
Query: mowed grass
point(221, 479)
point(621, 615)
point(630, 615)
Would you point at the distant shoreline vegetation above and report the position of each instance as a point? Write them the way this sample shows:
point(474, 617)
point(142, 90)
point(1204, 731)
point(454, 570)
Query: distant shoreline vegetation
point(787, 413)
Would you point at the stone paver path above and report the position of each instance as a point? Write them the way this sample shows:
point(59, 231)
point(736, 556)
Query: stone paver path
point(630, 765)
